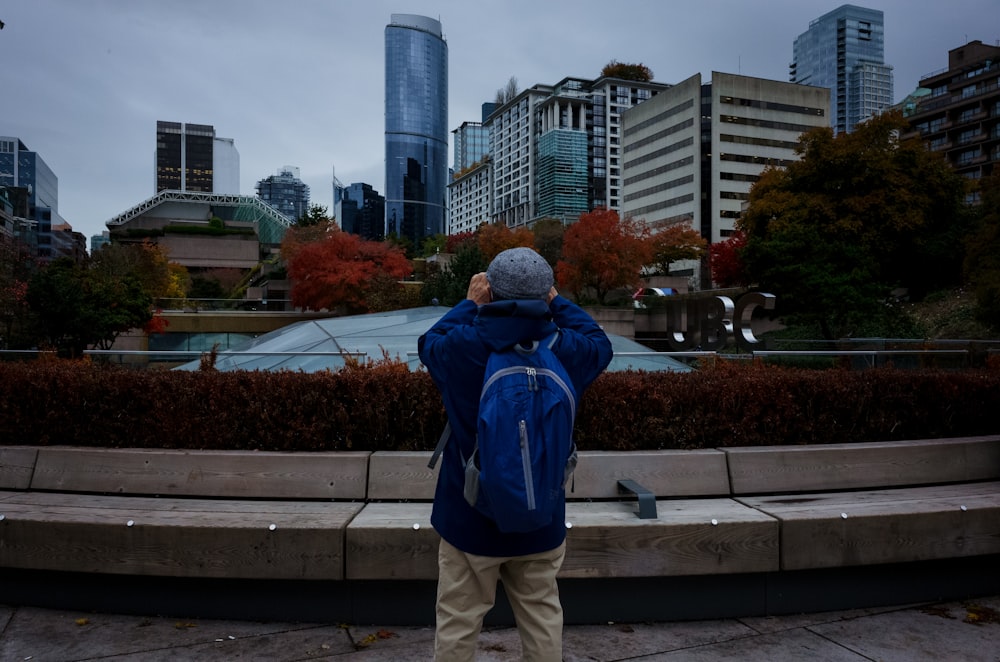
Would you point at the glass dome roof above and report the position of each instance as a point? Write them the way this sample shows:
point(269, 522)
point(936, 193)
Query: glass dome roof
point(315, 345)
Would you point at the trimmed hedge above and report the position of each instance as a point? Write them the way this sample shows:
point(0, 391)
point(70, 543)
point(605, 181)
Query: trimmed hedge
point(383, 406)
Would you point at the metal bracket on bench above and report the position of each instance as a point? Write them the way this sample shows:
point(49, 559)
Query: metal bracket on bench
point(647, 500)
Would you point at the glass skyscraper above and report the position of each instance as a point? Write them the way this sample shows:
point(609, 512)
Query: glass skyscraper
point(844, 50)
point(190, 157)
point(21, 168)
point(416, 127)
point(285, 192)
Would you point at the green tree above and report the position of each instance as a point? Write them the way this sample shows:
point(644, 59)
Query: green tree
point(433, 244)
point(315, 215)
point(636, 72)
point(77, 307)
point(16, 268)
point(859, 215)
point(450, 284)
point(147, 262)
point(549, 239)
point(982, 261)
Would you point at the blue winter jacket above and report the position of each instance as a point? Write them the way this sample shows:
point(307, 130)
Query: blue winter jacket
point(455, 351)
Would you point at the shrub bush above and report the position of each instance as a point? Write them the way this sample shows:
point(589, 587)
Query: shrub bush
point(384, 406)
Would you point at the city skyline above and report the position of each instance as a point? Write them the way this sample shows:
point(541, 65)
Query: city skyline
point(90, 79)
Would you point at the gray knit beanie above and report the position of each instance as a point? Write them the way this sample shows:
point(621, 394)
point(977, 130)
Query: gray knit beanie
point(519, 273)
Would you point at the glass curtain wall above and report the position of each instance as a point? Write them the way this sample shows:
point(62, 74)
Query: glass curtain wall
point(416, 127)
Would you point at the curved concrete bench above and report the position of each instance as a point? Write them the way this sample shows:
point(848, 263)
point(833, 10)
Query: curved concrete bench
point(178, 513)
point(743, 524)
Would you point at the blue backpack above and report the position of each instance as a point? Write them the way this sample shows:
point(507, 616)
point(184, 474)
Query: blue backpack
point(524, 451)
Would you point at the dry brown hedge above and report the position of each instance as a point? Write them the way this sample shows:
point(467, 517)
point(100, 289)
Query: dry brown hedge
point(384, 406)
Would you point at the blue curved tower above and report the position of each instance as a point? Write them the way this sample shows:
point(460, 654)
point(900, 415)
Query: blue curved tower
point(416, 127)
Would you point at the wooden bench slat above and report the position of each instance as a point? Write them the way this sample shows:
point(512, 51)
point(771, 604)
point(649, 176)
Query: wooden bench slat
point(605, 540)
point(785, 469)
point(668, 473)
point(405, 475)
point(608, 539)
point(401, 475)
point(17, 463)
point(382, 542)
point(335, 475)
point(208, 539)
point(885, 526)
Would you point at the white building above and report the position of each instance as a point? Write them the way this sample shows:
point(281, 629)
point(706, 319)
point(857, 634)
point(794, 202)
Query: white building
point(692, 153)
point(556, 149)
point(470, 196)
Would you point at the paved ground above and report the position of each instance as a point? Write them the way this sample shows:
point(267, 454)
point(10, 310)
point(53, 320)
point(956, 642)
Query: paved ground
point(967, 631)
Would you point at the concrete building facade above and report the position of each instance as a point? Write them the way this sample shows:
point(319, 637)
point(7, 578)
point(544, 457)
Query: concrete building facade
point(471, 196)
point(692, 153)
point(556, 149)
point(959, 115)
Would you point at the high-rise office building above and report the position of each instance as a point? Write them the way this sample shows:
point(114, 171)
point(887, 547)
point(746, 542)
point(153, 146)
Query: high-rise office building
point(363, 211)
point(34, 192)
point(470, 199)
point(472, 141)
point(844, 50)
point(190, 157)
point(691, 154)
point(556, 149)
point(416, 127)
point(285, 192)
point(958, 113)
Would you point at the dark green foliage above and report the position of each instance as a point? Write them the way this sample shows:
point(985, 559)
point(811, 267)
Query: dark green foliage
point(450, 284)
point(315, 215)
point(627, 71)
point(982, 261)
point(383, 406)
point(78, 307)
point(857, 217)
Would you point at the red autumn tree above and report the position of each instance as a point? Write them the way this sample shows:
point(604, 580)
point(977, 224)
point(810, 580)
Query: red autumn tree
point(725, 263)
point(602, 252)
point(340, 269)
point(455, 241)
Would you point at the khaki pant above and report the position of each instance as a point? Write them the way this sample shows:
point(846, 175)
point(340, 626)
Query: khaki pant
point(467, 587)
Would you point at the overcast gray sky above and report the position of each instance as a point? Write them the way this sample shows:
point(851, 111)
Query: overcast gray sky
point(301, 82)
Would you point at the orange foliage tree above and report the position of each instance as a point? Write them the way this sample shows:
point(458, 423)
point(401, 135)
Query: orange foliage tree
point(602, 252)
point(494, 238)
point(674, 243)
point(339, 269)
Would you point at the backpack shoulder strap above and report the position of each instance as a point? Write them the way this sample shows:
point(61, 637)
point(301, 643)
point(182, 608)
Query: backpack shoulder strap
point(446, 433)
point(440, 445)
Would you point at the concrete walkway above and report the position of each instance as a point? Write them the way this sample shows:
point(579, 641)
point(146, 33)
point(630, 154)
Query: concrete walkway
point(966, 631)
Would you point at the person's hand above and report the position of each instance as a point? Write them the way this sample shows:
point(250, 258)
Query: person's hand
point(479, 289)
point(552, 295)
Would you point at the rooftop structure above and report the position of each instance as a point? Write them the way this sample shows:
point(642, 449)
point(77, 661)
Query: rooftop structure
point(317, 345)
